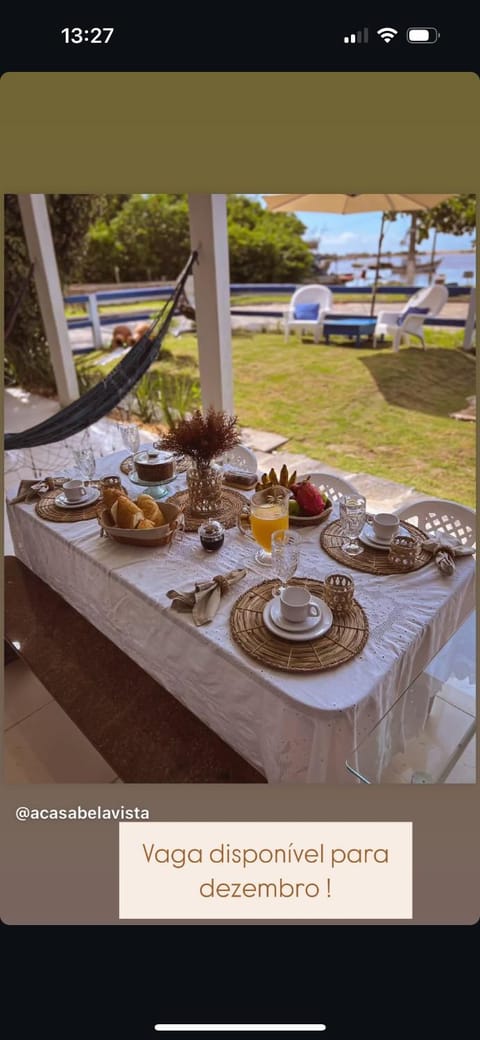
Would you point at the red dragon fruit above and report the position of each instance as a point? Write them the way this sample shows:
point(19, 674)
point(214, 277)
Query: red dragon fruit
point(309, 498)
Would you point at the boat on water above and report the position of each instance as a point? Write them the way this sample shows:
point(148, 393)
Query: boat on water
point(421, 266)
point(321, 269)
point(321, 263)
point(333, 279)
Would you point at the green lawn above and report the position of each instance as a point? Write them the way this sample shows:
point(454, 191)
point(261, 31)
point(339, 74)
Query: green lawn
point(358, 409)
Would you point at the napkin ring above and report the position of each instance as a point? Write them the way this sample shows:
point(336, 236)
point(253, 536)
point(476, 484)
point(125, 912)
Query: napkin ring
point(403, 552)
point(338, 592)
point(223, 583)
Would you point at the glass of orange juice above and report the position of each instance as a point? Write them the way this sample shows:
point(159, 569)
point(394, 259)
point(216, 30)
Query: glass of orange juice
point(266, 513)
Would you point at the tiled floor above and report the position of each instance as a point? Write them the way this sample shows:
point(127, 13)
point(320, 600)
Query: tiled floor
point(41, 744)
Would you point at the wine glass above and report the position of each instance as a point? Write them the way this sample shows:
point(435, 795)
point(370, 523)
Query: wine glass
point(130, 434)
point(85, 462)
point(285, 554)
point(355, 514)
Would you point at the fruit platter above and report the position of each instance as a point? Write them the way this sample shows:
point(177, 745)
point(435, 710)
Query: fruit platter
point(308, 505)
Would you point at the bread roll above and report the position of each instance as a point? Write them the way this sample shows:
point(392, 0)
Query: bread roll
point(110, 495)
point(145, 525)
point(126, 513)
point(151, 510)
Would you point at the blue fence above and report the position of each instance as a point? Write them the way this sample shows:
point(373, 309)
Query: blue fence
point(96, 319)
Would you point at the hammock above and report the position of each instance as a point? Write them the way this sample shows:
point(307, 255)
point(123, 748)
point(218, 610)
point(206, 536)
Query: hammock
point(105, 395)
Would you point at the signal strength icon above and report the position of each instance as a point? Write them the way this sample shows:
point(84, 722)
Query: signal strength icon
point(361, 36)
point(387, 34)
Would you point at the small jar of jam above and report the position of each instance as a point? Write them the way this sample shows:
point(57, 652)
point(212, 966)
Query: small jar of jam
point(212, 534)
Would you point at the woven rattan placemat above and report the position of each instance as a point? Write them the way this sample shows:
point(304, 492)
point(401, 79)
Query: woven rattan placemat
point(344, 640)
point(373, 561)
point(231, 505)
point(46, 508)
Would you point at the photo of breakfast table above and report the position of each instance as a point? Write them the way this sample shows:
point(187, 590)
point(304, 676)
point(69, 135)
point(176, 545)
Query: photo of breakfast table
point(293, 726)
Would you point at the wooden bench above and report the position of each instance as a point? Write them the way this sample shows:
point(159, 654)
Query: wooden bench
point(144, 733)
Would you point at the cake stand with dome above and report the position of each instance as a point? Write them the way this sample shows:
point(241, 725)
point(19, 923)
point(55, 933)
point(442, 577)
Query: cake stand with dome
point(153, 470)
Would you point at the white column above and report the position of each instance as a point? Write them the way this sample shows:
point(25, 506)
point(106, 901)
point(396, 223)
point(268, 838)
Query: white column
point(95, 320)
point(470, 322)
point(38, 235)
point(208, 234)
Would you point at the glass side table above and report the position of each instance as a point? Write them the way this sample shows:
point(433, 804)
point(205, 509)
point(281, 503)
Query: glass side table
point(429, 727)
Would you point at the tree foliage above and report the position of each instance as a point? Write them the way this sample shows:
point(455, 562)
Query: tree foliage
point(149, 239)
point(454, 217)
point(27, 356)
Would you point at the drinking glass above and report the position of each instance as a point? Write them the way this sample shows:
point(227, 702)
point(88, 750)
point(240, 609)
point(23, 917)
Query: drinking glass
point(130, 436)
point(85, 462)
point(267, 512)
point(342, 499)
point(285, 554)
point(355, 513)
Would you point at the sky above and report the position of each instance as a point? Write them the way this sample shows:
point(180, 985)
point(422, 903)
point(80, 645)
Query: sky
point(339, 233)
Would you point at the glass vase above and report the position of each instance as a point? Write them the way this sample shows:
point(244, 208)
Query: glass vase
point(205, 485)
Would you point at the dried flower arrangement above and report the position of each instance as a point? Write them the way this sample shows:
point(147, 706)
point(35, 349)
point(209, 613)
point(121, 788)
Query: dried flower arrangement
point(203, 436)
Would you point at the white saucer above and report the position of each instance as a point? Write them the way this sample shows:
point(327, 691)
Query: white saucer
point(320, 624)
point(93, 494)
point(368, 536)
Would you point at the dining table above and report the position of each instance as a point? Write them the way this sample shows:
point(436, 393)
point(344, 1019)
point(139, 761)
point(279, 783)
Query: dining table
point(294, 728)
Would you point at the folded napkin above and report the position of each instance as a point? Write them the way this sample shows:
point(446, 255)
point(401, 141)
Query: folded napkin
point(204, 599)
point(31, 489)
point(444, 552)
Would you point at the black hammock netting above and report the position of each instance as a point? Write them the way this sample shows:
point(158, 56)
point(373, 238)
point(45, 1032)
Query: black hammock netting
point(105, 395)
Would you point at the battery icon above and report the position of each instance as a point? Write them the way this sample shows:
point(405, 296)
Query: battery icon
point(422, 35)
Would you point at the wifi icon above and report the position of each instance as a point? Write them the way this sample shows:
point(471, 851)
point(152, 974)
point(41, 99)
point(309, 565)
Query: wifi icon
point(387, 34)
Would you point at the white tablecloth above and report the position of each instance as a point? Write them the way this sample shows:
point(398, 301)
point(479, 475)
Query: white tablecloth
point(293, 728)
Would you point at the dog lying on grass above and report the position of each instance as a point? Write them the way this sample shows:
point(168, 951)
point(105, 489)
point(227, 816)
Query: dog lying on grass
point(123, 336)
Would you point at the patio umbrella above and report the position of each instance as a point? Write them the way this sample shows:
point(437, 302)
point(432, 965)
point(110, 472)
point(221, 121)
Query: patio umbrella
point(355, 204)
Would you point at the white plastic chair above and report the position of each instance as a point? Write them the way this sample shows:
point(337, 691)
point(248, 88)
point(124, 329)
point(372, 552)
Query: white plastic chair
point(433, 297)
point(332, 486)
point(309, 294)
point(239, 457)
point(440, 516)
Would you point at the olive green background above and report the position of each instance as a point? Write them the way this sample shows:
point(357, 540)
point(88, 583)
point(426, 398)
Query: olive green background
point(235, 132)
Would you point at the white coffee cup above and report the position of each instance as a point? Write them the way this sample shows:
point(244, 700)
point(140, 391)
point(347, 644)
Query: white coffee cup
point(74, 490)
point(385, 526)
point(296, 603)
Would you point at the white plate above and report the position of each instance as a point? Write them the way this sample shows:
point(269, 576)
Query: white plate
point(368, 536)
point(322, 623)
point(92, 496)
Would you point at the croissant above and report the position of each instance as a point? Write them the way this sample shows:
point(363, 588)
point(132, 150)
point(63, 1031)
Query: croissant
point(145, 525)
point(151, 510)
point(110, 496)
point(126, 513)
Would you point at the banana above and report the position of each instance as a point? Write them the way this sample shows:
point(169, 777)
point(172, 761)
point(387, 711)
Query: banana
point(271, 478)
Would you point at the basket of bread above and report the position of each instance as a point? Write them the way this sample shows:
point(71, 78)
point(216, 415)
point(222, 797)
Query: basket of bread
point(138, 522)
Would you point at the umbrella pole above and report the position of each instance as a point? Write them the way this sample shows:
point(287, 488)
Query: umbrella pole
point(379, 254)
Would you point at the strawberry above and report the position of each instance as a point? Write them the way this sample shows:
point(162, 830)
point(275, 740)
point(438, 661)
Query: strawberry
point(309, 498)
